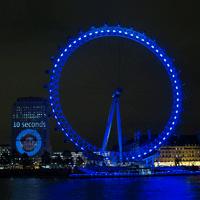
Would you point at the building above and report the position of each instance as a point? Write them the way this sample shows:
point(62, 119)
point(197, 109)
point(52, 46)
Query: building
point(187, 155)
point(5, 149)
point(184, 150)
point(5, 153)
point(30, 127)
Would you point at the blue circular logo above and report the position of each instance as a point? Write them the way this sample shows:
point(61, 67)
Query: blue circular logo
point(29, 141)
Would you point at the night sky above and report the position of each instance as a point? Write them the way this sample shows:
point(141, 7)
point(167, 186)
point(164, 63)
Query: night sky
point(32, 31)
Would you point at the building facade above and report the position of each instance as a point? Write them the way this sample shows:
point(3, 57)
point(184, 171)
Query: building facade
point(5, 149)
point(185, 155)
point(30, 126)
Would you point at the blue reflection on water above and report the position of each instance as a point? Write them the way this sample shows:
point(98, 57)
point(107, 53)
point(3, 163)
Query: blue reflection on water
point(142, 188)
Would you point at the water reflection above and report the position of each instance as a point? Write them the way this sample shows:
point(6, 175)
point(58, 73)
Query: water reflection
point(146, 188)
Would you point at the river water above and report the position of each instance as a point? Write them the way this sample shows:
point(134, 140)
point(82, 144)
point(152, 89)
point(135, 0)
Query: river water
point(142, 188)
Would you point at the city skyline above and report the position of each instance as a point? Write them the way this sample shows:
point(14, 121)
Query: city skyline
point(99, 100)
point(31, 38)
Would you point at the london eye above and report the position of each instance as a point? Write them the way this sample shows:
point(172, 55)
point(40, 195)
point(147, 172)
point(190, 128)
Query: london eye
point(62, 121)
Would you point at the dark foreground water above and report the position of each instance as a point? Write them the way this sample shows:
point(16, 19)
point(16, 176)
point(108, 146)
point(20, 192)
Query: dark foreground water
point(143, 188)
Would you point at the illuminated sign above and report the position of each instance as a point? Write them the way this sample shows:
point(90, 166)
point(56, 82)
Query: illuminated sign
point(41, 124)
point(29, 141)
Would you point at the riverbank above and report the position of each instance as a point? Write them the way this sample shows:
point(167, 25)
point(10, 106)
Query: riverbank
point(67, 173)
point(35, 173)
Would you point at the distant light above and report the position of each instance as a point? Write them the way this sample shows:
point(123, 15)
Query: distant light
point(79, 38)
point(70, 46)
point(74, 42)
point(152, 47)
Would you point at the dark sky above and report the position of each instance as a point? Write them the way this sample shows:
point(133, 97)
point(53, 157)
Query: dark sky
point(31, 31)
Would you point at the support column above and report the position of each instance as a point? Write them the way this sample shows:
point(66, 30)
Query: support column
point(119, 129)
point(108, 126)
point(115, 105)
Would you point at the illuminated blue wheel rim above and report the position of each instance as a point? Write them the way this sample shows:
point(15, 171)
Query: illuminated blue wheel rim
point(33, 133)
point(128, 33)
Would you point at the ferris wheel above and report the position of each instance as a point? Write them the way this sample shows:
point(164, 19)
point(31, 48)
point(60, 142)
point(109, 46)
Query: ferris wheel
point(54, 97)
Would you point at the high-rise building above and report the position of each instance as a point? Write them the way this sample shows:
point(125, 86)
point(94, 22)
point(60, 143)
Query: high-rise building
point(30, 127)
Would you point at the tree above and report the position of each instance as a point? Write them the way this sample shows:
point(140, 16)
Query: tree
point(79, 161)
point(177, 161)
point(46, 158)
point(5, 158)
point(26, 161)
point(15, 157)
